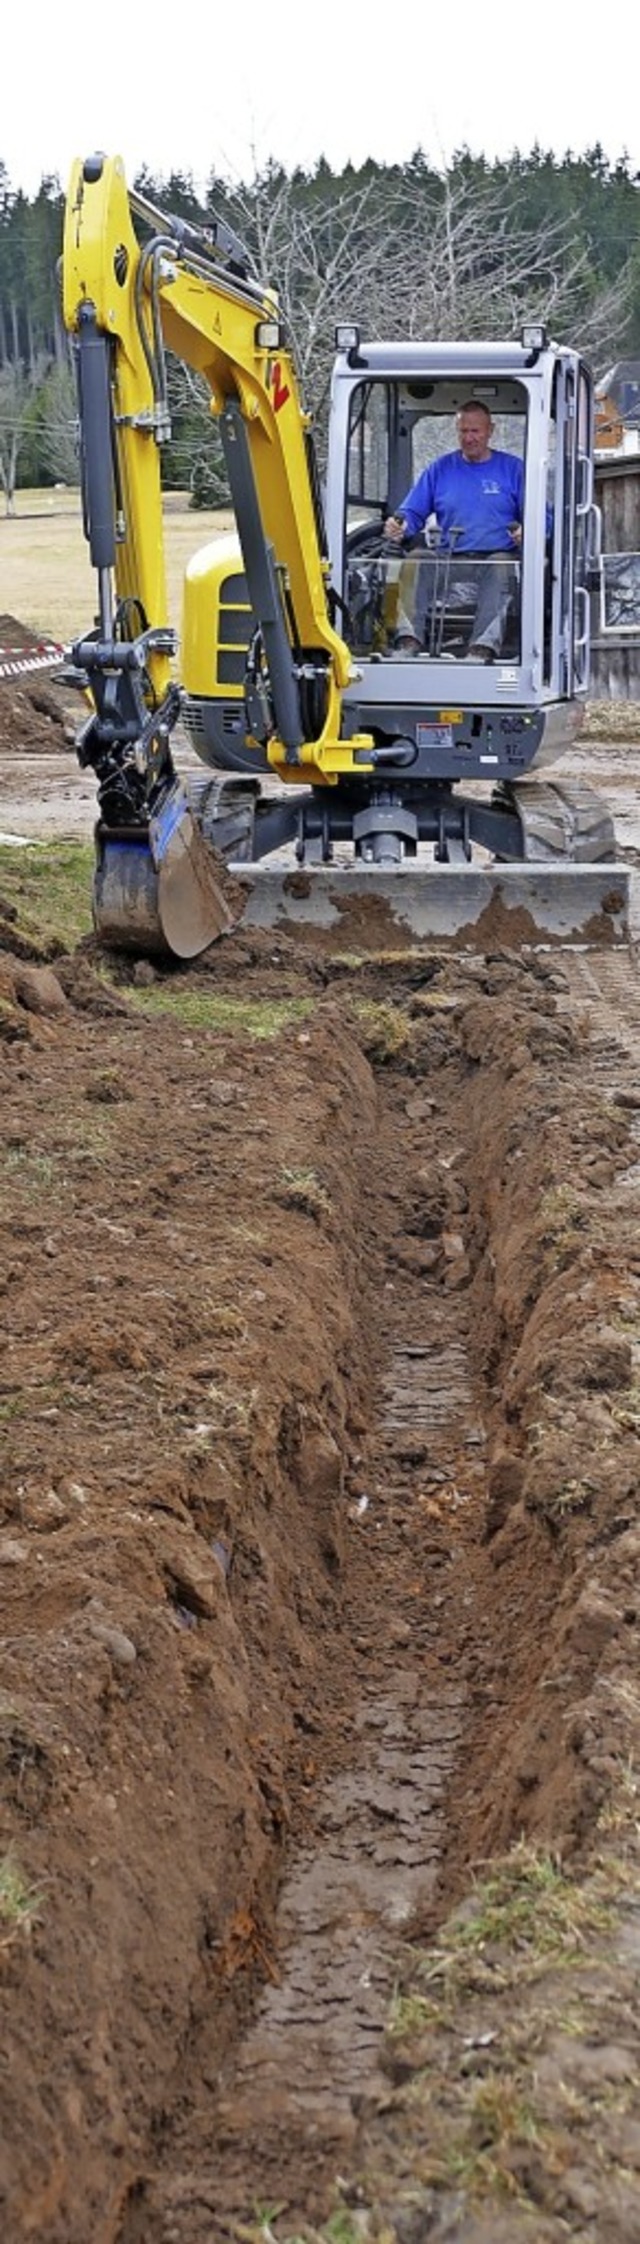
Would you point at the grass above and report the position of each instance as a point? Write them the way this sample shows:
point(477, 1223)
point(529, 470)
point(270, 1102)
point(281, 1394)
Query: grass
point(504, 1979)
point(27, 1402)
point(621, 1810)
point(78, 1138)
point(19, 1903)
point(224, 1322)
point(561, 1218)
point(385, 1030)
point(342, 2227)
point(626, 1412)
point(303, 1189)
point(36, 1170)
point(204, 1009)
point(45, 560)
point(48, 886)
point(527, 1912)
point(568, 1500)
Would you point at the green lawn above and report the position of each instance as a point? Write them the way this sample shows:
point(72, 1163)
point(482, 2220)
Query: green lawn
point(46, 578)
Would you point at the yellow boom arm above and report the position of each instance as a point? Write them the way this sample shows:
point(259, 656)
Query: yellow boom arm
point(222, 323)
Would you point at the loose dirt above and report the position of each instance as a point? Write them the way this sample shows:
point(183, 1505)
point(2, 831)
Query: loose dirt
point(319, 1693)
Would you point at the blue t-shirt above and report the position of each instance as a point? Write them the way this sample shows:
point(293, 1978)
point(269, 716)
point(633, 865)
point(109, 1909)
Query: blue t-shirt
point(480, 499)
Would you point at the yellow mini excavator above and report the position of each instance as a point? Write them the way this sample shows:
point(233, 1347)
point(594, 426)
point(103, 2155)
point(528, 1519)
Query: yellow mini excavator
point(324, 743)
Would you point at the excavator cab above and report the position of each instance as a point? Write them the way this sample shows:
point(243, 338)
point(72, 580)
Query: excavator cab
point(391, 416)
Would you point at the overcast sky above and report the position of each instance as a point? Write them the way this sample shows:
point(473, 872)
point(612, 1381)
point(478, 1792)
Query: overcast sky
point(199, 88)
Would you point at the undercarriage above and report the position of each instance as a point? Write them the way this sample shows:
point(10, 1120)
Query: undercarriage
point(434, 859)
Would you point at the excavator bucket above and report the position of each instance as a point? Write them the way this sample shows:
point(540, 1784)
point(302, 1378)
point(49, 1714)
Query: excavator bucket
point(160, 889)
point(365, 909)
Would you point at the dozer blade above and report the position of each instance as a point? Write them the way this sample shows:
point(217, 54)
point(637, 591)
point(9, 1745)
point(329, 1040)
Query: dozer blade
point(365, 909)
point(155, 889)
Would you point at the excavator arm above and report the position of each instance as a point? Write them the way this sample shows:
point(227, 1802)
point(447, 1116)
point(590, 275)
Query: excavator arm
point(190, 290)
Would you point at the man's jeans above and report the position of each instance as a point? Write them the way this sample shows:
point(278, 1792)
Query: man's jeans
point(484, 588)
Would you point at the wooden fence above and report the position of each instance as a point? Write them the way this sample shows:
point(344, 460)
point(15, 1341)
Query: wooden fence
point(615, 624)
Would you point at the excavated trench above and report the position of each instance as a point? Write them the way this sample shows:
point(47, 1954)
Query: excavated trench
point(321, 1582)
point(474, 1527)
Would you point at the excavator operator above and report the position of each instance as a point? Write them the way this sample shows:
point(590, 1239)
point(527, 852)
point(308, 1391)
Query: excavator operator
point(476, 496)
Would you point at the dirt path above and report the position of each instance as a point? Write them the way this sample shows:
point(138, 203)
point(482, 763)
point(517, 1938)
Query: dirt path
point(320, 1565)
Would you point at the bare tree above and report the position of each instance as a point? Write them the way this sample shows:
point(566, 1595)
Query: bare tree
point(407, 253)
point(461, 260)
point(413, 253)
point(320, 255)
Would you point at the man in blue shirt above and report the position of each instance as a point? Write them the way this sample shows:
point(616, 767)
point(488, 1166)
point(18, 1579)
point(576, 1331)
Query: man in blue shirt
point(476, 496)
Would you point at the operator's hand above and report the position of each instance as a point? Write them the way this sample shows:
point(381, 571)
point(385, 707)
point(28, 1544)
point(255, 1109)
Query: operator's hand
point(515, 533)
point(395, 529)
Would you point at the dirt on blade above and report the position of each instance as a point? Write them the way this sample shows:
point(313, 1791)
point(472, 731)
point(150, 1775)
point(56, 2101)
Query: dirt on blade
point(320, 1565)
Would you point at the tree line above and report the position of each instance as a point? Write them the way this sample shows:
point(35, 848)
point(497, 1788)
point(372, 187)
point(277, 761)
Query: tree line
point(404, 250)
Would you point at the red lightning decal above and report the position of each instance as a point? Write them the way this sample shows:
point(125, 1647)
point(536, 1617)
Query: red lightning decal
point(281, 389)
